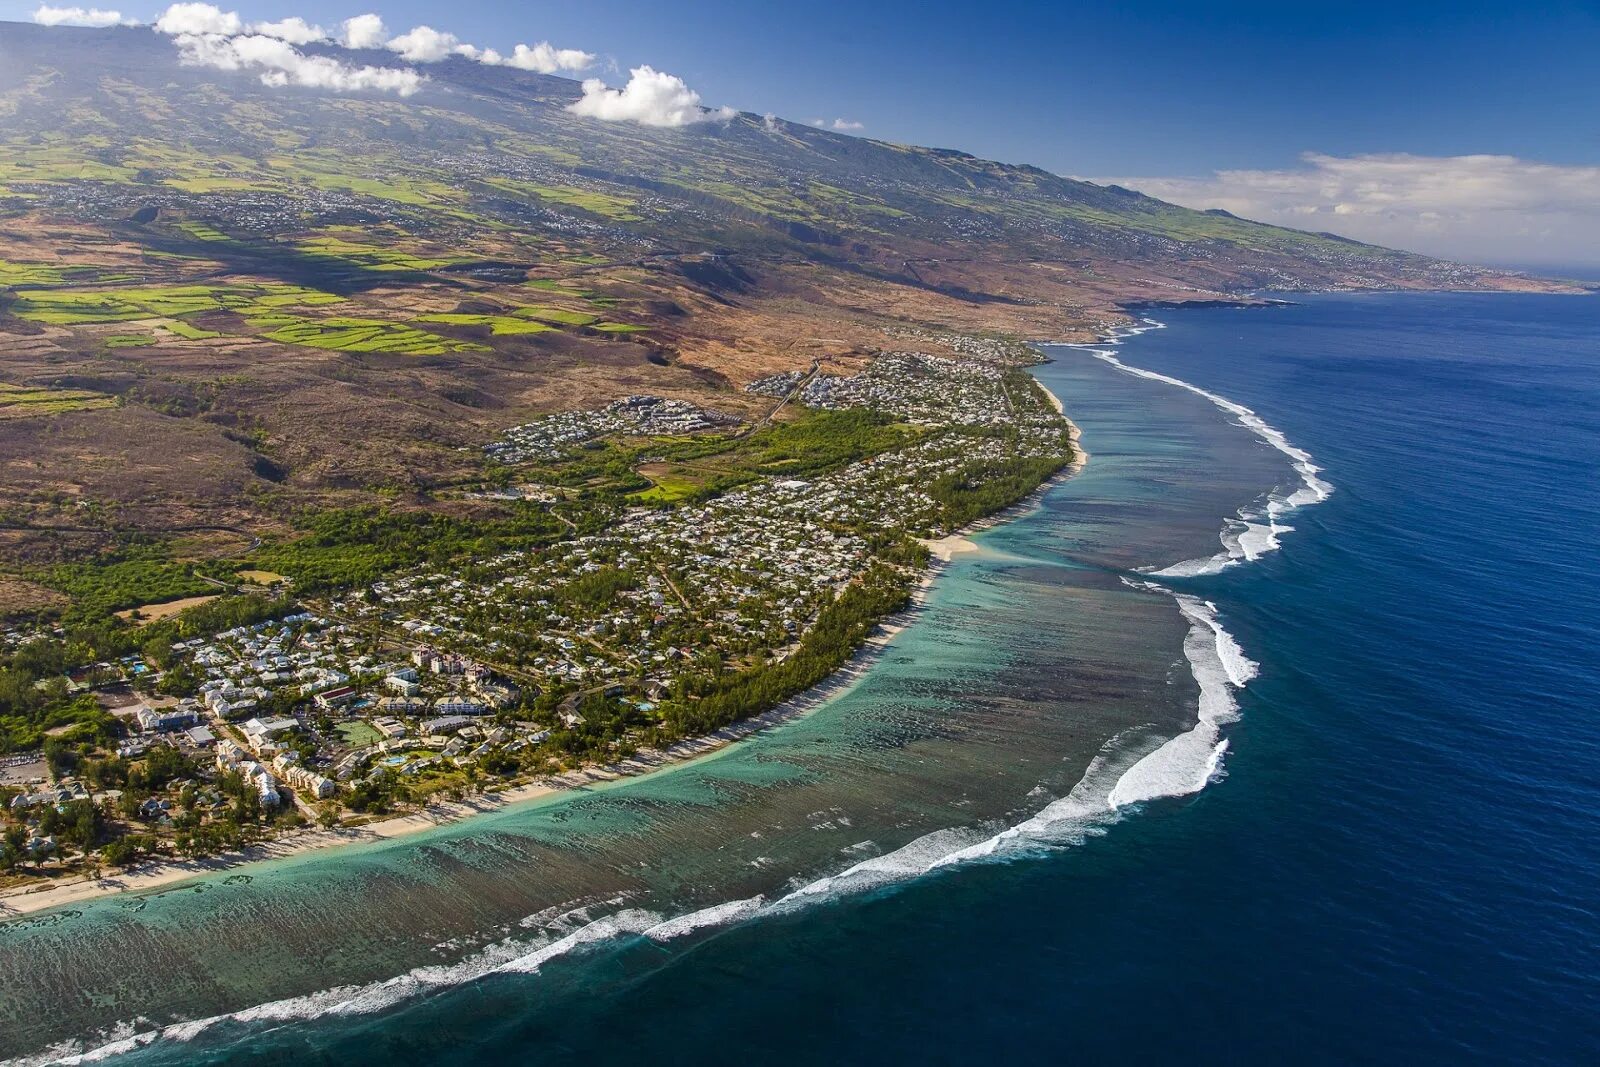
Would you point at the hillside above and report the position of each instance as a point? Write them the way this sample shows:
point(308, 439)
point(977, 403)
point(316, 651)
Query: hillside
point(227, 307)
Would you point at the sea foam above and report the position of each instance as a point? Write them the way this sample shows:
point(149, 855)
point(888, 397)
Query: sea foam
point(1254, 531)
point(1130, 770)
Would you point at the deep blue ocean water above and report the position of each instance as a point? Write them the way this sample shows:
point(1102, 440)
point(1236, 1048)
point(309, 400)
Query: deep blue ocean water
point(1400, 862)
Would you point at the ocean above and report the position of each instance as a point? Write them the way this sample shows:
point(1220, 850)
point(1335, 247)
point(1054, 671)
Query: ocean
point(1269, 737)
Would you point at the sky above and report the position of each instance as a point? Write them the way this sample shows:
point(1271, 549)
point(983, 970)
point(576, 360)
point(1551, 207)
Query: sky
point(1463, 129)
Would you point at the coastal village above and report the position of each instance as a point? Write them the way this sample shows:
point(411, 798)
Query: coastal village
point(672, 620)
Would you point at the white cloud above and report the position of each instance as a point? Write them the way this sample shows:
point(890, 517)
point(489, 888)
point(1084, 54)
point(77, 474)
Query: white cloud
point(295, 30)
point(363, 31)
point(546, 59)
point(651, 97)
point(199, 18)
point(45, 15)
point(424, 44)
point(281, 64)
point(848, 124)
point(1479, 207)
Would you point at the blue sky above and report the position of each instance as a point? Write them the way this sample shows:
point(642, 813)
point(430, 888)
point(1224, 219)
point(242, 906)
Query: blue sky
point(1215, 104)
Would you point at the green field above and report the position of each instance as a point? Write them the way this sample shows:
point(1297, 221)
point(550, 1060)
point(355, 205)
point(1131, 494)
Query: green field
point(21, 402)
point(616, 208)
point(499, 325)
point(79, 307)
point(189, 333)
point(668, 489)
point(365, 335)
point(30, 274)
point(558, 315)
point(368, 257)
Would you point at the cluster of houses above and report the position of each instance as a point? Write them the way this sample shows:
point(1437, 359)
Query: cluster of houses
point(548, 438)
point(745, 572)
point(257, 211)
point(922, 389)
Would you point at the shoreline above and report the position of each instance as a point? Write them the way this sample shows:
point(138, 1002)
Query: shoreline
point(161, 875)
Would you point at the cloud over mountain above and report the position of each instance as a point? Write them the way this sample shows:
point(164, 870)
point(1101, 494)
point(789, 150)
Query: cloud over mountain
point(199, 18)
point(295, 30)
point(45, 15)
point(281, 64)
point(651, 98)
point(424, 44)
point(363, 31)
point(208, 36)
point(547, 59)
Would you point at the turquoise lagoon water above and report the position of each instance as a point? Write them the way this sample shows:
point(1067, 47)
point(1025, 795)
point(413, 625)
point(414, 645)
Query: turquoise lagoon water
point(996, 845)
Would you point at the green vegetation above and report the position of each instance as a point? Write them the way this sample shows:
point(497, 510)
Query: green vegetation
point(553, 285)
point(667, 489)
point(340, 549)
point(838, 632)
point(558, 315)
point(616, 208)
point(691, 469)
point(358, 734)
point(202, 232)
point(361, 335)
point(189, 333)
point(31, 273)
point(21, 402)
point(79, 307)
point(499, 325)
point(136, 576)
point(130, 340)
point(369, 257)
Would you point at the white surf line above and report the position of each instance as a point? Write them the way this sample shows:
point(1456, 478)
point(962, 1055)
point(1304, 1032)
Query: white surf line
point(1190, 761)
point(1254, 531)
point(1123, 775)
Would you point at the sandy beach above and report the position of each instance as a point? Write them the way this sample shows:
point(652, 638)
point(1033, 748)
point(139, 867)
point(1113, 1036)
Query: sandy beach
point(158, 875)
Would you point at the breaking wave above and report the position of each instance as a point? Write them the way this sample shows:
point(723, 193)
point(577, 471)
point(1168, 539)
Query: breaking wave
point(1130, 770)
point(1254, 531)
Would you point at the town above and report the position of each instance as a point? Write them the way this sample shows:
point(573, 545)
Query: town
point(682, 614)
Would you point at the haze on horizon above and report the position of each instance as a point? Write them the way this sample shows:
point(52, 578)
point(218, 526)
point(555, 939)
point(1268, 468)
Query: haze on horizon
point(1443, 129)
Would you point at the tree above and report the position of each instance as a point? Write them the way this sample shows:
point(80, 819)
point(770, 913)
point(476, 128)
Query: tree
point(62, 757)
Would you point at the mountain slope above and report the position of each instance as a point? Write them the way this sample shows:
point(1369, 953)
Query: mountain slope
point(229, 305)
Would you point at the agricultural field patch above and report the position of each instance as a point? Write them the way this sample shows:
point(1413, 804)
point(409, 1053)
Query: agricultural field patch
point(499, 325)
point(370, 257)
point(616, 208)
point(364, 335)
point(87, 307)
point(22, 402)
point(558, 315)
point(202, 232)
point(179, 328)
point(30, 274)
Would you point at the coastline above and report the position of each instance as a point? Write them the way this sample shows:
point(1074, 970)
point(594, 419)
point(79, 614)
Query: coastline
point(161, 875)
